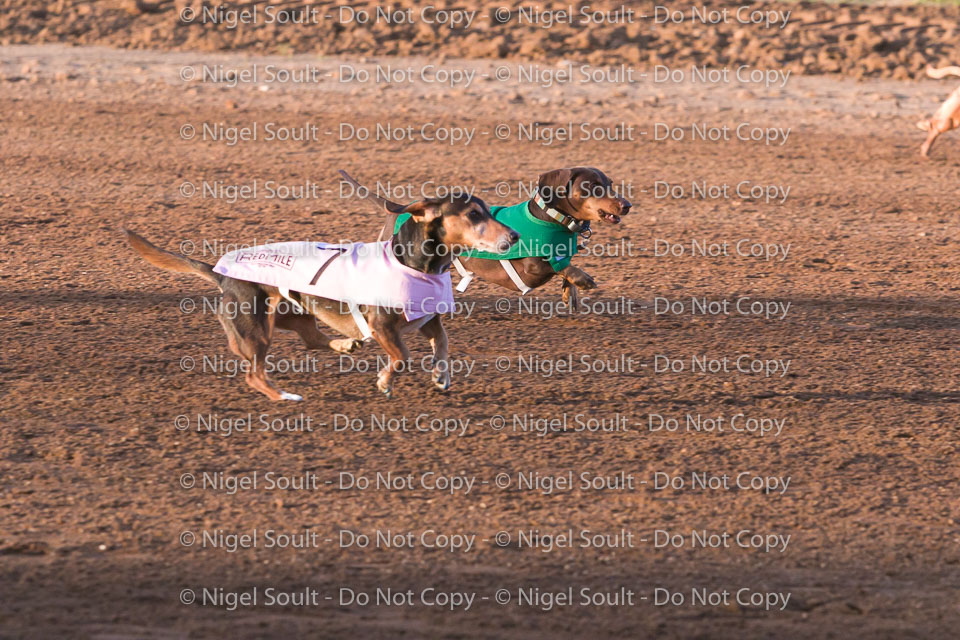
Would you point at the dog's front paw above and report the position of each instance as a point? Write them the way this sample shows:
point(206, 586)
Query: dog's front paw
point(441, 378)
point(345, 345)
point(290, 396)
point(384, 385)
point(585, 282)
point(579, 278)
point(568, 293)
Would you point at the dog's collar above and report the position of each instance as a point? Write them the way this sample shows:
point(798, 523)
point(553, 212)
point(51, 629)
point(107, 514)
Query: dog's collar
point(568, 222)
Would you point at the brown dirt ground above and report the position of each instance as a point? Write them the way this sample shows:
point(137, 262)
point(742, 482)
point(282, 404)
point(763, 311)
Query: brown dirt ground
point(90, 503)
point(852, 39)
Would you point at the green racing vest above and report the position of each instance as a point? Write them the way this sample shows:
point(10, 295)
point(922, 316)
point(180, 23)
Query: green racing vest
point(538, 238)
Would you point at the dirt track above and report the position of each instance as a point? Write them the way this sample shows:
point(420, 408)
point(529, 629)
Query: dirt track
point(802, 37)
point(92, 341)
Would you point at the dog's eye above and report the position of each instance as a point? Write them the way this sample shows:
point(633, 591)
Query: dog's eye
point(475, 216)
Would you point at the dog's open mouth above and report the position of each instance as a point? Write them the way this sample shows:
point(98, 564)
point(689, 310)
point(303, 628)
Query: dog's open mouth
point(609, 217)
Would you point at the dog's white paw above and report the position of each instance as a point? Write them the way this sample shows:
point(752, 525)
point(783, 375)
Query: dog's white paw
point(441, 379)
point(383, 384)
point(290, 396)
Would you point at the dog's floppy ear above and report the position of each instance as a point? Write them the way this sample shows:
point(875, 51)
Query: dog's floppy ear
point(601, 176)
point(553, 186)
point(424, 210)
point(388, 205)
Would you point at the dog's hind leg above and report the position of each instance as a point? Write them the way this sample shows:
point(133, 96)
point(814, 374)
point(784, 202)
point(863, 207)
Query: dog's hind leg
point(433, 330)
point(389, 338)
point(932, 134)
point(250, 331)
point(313, 338)
point(305, 327)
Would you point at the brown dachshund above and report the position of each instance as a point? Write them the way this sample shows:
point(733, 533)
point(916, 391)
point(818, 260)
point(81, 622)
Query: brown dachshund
point(567, 200)
point(439, 227)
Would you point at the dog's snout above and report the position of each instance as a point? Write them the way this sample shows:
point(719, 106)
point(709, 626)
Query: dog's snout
point(624, 206)
point(507, 240)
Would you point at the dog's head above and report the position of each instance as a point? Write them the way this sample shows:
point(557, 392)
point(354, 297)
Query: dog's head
point(462, 222)
point(584, 193)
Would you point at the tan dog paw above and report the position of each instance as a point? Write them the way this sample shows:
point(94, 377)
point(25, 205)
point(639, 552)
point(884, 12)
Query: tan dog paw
point(345, 345)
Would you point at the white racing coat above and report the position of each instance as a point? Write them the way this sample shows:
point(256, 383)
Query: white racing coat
point(355, 274)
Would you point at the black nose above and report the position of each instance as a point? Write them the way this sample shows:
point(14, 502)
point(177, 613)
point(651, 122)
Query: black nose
point(514, 236)
point(625, 207)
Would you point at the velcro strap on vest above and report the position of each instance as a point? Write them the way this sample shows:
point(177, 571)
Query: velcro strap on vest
point(517, 280)
point(361, 322)
point(466, 277)
point(296, 305)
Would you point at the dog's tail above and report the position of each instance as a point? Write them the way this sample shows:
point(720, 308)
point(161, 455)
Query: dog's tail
point(942, 72)
point(393, 209)
point(169, 260)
